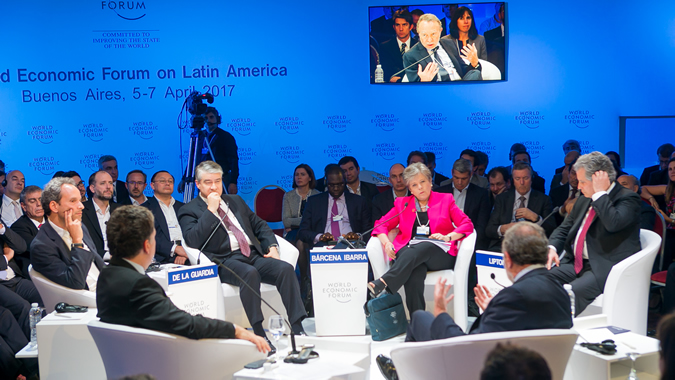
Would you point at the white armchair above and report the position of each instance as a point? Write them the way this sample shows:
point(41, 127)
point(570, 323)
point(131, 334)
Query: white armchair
point(131, 351)
point(625, 300)
point(464, 357)
point(234, 310)
point(458, 277)
point(53, 293)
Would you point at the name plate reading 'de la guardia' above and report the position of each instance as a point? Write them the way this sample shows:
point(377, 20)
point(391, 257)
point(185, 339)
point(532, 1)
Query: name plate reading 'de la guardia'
point(327, 257)
point(192, 274)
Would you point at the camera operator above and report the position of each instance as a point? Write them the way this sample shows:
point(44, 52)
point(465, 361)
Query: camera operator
point(224, 149)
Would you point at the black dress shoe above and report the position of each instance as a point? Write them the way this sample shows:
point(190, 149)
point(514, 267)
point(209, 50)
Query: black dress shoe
point(386, 367)
point(273, 350)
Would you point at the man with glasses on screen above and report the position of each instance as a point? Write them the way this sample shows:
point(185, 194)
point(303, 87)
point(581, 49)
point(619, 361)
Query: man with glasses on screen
point(439, 60)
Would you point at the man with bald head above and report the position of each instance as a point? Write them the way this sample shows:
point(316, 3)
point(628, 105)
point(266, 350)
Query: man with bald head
point(384, 201)
point(98, 208)
point(648, 214)
point(11, 205)
point(561, 177)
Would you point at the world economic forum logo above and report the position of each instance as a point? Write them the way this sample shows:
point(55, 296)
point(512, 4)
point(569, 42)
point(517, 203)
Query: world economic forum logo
point(90, 161)
point(337, 123)
point(246, 185)
point(534, 148)
point(128, 10)
point(337, 151)
point(144, 129)
point(530, 119)
point(386, 122)
point(285, 181)
point(44, 165)
point(580, 118)
point(145, 160)
point(289, 124)
point(246, 155)
point(386, 151)
point(243, 126)
point(93, 131)
point(43, 133)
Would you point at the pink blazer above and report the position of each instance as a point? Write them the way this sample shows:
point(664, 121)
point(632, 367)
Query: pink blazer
point(444, 217)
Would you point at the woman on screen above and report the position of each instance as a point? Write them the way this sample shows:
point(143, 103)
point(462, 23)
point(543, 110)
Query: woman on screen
point(463, 33)
point(423, 215)
point(668, 191)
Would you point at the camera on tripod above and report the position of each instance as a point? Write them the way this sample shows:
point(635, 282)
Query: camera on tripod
point(197, 108)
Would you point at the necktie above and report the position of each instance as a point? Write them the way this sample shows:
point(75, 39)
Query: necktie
point(403, 48)
point(579, 247)
point(39, 226)
point(442, 72)
point(522, 202)
point(17, 209)
point(334, 224)
point(238, 234)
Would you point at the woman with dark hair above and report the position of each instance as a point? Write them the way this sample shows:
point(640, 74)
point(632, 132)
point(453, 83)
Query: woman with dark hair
point(295, 200)
point(665, 332)
point(463, 34)
point(649, 192)
point(616, 161)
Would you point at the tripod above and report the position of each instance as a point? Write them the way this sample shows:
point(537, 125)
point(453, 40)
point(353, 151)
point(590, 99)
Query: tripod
point(198, 134)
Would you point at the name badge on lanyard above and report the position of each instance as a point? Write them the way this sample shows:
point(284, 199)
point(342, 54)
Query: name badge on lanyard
point(337, 218)
point(672, 215)
point(423, 230)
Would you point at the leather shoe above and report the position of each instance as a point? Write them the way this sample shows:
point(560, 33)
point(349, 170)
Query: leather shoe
point(273, 350)
point(386, 367)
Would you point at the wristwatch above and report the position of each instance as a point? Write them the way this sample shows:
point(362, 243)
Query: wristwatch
point(76, 245)
point(272, 246)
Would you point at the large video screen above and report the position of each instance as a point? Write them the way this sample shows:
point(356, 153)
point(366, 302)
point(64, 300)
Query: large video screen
point(443, 43)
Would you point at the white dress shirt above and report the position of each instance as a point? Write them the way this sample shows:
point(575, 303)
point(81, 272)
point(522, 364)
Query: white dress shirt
point(7, 274)
point(234, 244)
point(175, 232)
point(345, 226)
point(103, 218)
point(92, 275)
point(137, 203)
point(407, 44)
point(9, 210)
point(460, 197)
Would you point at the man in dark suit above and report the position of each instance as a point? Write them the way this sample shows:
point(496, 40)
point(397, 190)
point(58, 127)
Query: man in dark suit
point(647, 212)
point(384, 201)
point(522, 203)
point(663, 154)
point(126, 296)
point(10, 207)
point(62, 250)
point(27, 225)
point(98, 208)
point(564, 196)
point(602, 229)
point(442, 64)
point(437, 177)
point(499, 179)
point(243, 242)
point(224, 149)
point(538, 183)
point(108, 164)
point(164, 208)
point(560, 178)
point(351, 170)
point(12, 340)
point(471, 199)
point(534, 301)
point(391, 51)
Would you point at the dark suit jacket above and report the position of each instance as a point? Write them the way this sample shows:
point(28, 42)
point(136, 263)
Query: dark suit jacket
point(316, 213)
point(647, 216)
point(391, 58)
point(90, 220)
point(502, 213)
point(162, 237)
point(658, 177)
point(368, 192)
point(538, 183)
point(438, 178)
point(126, 297)
point(613, 235)
point(644, 178)
point(476, 207)
point(197, 224)
point(419, 51)
point(25, 228)
point(15, 242)
point(121, 191)
point(50, 256)
point(555, 182)
point(224, 148)
point(558, 196)
point(382, 203)
point(535, 301)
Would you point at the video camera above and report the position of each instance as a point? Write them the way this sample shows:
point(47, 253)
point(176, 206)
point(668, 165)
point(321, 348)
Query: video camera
point(197, 108)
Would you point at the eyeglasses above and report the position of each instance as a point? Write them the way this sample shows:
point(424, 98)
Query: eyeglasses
point(163, 181)
point(134, 183)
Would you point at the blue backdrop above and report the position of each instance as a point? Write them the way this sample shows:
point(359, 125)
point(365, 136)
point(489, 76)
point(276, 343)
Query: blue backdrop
point(121, 75)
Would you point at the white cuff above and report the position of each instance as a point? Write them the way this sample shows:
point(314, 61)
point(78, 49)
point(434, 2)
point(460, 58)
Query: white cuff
point(598, 195)
point(553, 248)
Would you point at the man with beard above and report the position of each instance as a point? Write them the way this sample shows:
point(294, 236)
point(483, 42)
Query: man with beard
point(136, 182)
point(62, 250)
point(224, 149)
point(98, 208)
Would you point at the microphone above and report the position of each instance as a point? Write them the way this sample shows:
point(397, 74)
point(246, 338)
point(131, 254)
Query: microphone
point(433, 51)
point(343, 243)
point(361, 243)
point(492, 276)
point(555, 211)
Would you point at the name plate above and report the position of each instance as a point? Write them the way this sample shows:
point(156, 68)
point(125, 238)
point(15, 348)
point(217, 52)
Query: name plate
point(327, 257)
point(488, 260)
point(192, 274)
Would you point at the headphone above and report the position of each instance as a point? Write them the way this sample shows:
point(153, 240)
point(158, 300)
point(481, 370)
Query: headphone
point(4, 182)
point(214, 111)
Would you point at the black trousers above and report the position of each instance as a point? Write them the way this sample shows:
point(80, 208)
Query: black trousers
point(584, 284)
point(256, 269)
point(17, 295)
point(410, 269)
point(12, 340)
point(669, 292)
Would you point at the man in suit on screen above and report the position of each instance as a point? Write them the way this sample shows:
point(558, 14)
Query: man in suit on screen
point(391, 52)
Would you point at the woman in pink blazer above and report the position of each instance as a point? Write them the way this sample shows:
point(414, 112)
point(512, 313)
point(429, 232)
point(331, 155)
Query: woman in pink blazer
point(424, 214)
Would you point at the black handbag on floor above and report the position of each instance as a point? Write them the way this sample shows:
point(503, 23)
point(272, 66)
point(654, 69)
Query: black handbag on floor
point(386, 316)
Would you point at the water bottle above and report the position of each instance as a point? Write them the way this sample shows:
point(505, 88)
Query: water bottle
point(379, 74)
point(35, 317)
point(570, 293)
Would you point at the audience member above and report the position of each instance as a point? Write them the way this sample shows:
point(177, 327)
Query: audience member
point(78, 180)
point(97, 210)
point(500, 181)
point(12, 340)
point(566, 195)
point(224, 149)
point(416, 13)
point(28, 224)
point(562, 177)
point(538, 183)
point(417, 156)
point(245, 243)
point(471, 199)
point(446, 64)
point(510, 362)
point(616, 161)
point(351, 169)
point(164, 208)
point(482, 162)
point(108, 164)
point(321, 182)
point(391, 51)
point(602, 229)
point(430, 215)
point(662, 155)
point(63, 251)
point(569, 146)
point(2, 187)
point(517, 147)
point(438, 178)
point(521, 203)
point(136, 183)
point(470, 155)
point(648, 213)
point(665, 332)
point(11, 206)
point(668, 191)
point(464, 35)
point(660, 177)
point(126, 296)
point(382, 28)
point(493, 22)
point(384, 201)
